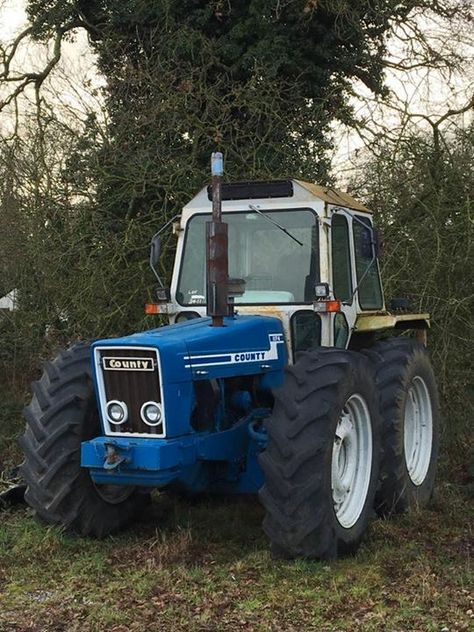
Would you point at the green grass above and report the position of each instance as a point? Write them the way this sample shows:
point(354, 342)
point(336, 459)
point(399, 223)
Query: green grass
point(206, 566)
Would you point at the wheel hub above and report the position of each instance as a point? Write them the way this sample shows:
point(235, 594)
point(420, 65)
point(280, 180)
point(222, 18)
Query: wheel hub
point(418, 430)
point(351, 461)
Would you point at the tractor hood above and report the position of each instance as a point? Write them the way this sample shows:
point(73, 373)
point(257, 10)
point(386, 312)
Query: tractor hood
point(196, 350)
point(179, 355)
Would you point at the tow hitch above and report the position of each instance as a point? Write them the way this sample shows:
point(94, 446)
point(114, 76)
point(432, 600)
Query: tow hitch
point(113, 459)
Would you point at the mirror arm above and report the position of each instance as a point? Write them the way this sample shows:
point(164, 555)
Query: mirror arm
point(164, 227)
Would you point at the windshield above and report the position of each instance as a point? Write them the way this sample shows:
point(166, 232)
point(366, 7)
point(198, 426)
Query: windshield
point(275, 268)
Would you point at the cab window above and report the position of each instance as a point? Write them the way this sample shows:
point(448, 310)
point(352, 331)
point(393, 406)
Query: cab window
point(368, 279)
point(341, 331)
point(277, 267)
point(305, 331)
point(341, 259)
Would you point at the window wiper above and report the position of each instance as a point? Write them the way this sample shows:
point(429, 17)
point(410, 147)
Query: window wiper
point(269, 219)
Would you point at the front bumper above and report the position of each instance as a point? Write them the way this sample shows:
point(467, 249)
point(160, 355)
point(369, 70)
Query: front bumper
point(138, 462)
point(158, 462)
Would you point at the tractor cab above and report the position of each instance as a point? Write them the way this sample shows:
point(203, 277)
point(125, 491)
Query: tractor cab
point(306, 254)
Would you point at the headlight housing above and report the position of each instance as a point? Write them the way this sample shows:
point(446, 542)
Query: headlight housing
point(321, 290)
point(117, 412)
point(151, 414)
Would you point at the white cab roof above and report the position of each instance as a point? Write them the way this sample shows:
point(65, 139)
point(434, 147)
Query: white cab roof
point(302, 192)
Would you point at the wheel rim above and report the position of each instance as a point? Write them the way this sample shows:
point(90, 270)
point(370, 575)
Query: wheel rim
point(351, 461)
point(418, 430)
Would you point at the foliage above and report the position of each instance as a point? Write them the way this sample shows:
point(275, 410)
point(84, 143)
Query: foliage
point(79, 272)
point(423, 194)
point(264, 81)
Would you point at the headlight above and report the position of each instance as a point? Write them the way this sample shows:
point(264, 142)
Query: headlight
point(321, 290)
point(151, 414)
point(117, 412)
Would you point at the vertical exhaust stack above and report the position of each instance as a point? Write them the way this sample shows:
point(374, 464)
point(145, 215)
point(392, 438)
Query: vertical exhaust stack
point(217, 258)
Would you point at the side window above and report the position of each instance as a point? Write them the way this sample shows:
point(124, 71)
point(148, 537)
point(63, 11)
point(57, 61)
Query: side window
point(305, 331)
point(341, 331)
point(370, 291)
point(341, 258)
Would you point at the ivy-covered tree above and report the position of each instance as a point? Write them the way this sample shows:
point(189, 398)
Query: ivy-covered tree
point(263, 80)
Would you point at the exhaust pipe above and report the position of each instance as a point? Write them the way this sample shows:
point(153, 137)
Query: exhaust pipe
point(217, 256)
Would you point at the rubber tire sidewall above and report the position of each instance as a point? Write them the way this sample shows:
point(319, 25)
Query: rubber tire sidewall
point(297, 463)
point(63, 413)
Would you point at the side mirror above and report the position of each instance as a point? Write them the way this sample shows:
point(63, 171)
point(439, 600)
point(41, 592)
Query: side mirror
point(155, 251)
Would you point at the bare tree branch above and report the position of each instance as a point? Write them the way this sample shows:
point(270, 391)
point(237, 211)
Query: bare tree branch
point(26, 79)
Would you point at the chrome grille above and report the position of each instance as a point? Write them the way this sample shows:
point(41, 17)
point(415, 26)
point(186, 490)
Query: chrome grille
point(131, 376)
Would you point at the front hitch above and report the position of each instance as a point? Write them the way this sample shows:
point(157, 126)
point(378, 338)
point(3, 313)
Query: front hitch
point(113, 459)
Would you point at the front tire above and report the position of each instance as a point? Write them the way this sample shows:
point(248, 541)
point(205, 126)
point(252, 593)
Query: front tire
point(63, 413)
point(321, 461)
point(410, 425)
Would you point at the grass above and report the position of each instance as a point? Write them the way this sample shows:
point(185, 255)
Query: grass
point(205, 566)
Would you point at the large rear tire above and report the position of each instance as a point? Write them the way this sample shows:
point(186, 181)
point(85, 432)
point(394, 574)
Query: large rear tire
point(321, 461)
point(410, 425)
point(63, 413)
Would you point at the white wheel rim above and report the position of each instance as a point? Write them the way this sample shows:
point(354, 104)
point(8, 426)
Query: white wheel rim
point(418, 430)
point(351, 461)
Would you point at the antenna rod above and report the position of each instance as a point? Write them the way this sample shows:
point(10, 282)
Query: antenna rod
point(217, 258)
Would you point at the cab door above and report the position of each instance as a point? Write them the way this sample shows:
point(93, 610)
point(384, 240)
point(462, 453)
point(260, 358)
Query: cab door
point(342, 275)
point(367, 274)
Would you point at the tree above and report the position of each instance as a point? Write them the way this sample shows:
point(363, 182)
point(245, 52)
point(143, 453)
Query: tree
point(262, 80)
point(422, 192)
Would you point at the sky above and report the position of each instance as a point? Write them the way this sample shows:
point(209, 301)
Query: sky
point(11, 18)
point(74, 86)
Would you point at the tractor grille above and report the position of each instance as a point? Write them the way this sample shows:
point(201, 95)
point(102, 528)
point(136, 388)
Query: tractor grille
point(130, 376)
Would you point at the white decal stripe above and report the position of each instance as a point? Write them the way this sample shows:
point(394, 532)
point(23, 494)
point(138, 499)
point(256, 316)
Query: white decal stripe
point(204, 364)
point(202, 357)
point(241, 357)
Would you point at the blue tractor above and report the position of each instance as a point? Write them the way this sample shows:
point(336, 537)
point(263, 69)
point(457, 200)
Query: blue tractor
point(281, 372)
